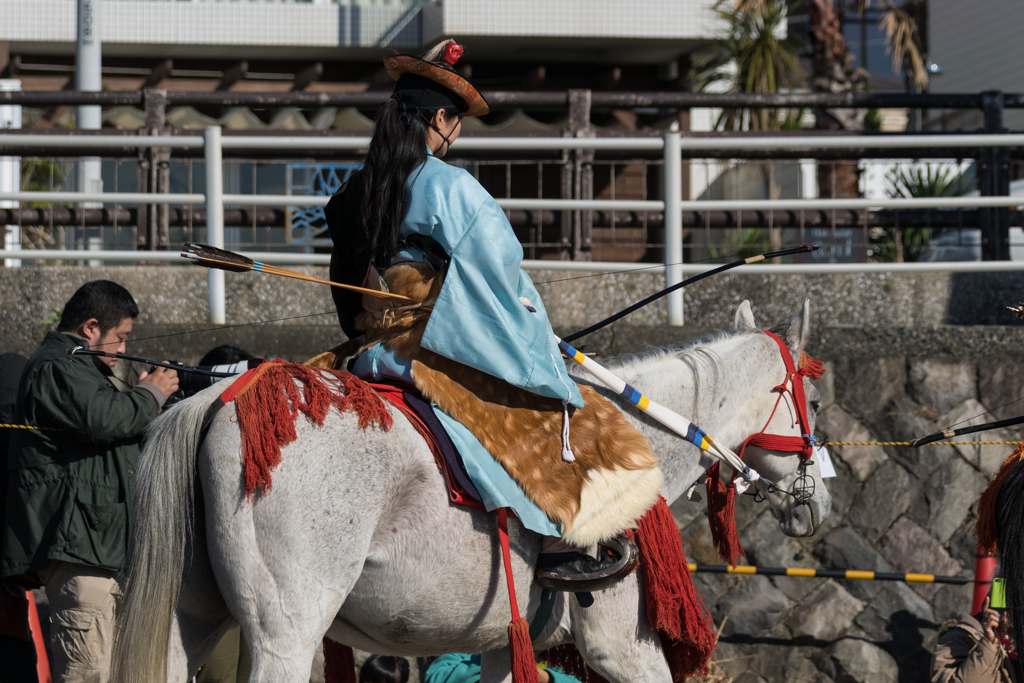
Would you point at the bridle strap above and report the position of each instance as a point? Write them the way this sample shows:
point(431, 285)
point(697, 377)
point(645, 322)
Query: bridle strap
point(775, 442)
point(794, 377)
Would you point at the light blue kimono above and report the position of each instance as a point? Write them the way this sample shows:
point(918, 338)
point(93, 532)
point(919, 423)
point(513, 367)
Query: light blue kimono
point(479, 319)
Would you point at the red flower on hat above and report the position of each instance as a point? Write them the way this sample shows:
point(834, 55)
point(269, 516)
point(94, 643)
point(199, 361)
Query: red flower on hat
point(452, 52)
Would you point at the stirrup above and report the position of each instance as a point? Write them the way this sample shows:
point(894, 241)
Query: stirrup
point(629, 556)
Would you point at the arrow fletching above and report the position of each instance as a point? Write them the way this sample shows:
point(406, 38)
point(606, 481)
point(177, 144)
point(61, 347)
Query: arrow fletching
point(205, 255)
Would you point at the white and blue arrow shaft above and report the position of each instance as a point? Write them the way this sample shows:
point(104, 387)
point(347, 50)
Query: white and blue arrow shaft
point(671, 419)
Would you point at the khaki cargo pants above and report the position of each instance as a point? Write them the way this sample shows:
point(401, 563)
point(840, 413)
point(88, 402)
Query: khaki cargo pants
point(82, 605)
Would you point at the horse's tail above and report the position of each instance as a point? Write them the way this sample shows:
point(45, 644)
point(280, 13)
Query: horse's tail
point(162, 514)
point(1010, 528)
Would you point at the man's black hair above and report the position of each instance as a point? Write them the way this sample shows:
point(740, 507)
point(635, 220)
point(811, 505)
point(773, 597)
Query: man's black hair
point(107, 301)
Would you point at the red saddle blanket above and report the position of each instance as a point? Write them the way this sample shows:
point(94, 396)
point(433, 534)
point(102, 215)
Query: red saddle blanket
point(270, 396)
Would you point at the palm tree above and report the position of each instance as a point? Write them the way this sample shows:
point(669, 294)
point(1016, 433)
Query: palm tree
point(918, 180)
point(903, 39)
point(833, 71)
point(751, 58)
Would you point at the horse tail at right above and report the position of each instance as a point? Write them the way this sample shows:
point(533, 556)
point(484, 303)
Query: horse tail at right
point(1010, 530)
point(162, 518)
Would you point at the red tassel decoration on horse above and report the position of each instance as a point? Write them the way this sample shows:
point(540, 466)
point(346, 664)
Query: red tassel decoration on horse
point(339, 663)
point(520, 646)
point(524, 664)
point(809, 367)
point(674, 608)
point(722, 517)
point(267, 402)
point(985, 528)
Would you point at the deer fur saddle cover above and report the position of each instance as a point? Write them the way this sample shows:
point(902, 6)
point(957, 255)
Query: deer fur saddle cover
point(615, 477)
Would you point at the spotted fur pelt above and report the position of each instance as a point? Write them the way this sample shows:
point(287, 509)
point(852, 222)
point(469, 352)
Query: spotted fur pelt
point(614, 478)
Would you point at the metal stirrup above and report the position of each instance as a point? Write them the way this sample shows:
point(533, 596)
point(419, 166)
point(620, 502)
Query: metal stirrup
point(629, 555)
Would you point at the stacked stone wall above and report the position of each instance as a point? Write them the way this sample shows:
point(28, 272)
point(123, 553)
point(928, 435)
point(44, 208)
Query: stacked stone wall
point(895, 509)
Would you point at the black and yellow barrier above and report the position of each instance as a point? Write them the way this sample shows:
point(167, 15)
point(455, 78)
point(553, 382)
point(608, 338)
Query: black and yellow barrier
point(808, 573)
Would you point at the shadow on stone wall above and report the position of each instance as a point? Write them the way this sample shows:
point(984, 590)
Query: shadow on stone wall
point(980, 298)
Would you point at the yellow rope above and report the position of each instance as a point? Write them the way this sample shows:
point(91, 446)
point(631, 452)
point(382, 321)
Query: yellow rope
point(44, 429)
point(933, 443)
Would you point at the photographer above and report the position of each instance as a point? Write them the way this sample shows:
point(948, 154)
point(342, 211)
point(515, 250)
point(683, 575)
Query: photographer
point(974, 648)
point(71, 479)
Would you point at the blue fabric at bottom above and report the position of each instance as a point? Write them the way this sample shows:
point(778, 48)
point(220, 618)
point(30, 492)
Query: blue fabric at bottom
point(496, 487)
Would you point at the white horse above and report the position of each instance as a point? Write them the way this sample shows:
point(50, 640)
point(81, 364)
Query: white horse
point(358, 539)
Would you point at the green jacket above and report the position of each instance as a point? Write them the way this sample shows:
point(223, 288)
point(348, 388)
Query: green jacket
point(70, 490)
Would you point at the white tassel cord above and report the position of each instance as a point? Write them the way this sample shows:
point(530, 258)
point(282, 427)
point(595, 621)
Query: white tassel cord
point(567, 454)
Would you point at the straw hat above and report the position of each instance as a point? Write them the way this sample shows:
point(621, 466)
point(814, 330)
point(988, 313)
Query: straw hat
point(436, 65)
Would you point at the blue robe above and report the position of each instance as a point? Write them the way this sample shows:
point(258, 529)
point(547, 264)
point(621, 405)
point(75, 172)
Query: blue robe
point(479, 319)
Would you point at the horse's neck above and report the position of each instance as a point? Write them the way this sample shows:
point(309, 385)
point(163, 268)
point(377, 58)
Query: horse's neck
point(692, 386)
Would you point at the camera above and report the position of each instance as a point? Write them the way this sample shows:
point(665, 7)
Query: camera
point(191, 383)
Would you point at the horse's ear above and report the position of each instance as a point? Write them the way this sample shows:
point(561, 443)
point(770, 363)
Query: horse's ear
point(744, 317)
point(799, 332)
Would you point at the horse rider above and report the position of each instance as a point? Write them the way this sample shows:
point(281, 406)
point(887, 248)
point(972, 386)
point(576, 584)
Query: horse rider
point(406, 204)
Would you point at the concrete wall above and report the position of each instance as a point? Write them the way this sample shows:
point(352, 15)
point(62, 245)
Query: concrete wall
point(857, 308)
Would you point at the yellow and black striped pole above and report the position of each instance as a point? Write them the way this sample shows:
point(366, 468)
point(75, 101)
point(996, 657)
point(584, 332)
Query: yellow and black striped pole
point(808, 573)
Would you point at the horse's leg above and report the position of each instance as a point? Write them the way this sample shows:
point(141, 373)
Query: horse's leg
point(615, 638)
point(285, 560)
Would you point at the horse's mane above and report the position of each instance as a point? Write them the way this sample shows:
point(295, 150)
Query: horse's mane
point(695, 352)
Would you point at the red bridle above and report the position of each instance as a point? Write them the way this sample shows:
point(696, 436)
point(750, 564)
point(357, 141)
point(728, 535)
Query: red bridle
point(794, 386)
point(721, 494)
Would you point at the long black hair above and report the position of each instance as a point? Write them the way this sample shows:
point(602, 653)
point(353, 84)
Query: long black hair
point(398, 147)
point(381, 669)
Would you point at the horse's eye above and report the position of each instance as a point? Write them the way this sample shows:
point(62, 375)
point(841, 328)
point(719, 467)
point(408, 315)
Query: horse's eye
point(815, 404)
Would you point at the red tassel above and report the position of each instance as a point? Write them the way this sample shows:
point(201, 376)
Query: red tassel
point(524, 665)
point(809, 367)
point(520, 646)
point(267, 402)
point(985, 528)
point(722, 517)
point(674, 607)
point(339, 663)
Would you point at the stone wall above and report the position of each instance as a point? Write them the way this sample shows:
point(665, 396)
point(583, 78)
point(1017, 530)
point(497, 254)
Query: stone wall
point(894, 509)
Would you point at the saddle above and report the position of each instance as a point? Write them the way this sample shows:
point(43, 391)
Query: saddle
point(614, 478)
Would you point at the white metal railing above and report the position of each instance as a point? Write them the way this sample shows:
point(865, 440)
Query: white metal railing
point(532, 144)
point(671, 145)
point(105, 197)
point(575, 266)
point(549, 204)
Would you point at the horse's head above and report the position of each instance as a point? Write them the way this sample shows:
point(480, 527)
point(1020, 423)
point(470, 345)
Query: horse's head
point(801, 502)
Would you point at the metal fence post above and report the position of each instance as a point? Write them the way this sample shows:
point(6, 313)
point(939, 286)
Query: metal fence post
point(994, 181)
point(215, 218)
point(673, 173)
